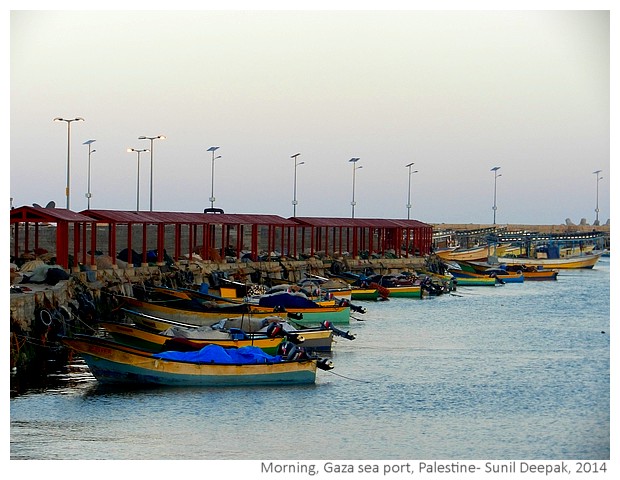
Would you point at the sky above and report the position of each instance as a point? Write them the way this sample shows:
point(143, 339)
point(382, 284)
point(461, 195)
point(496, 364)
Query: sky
point(455, 91)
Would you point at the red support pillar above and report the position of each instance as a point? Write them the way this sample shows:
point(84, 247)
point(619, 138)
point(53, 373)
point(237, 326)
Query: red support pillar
point(76, 247)
point(93, 242)
point(161, 242)
point(62, 244)
point(129, 244)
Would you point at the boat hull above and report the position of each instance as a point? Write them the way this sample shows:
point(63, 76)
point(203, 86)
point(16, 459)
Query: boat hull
point(582, 261)
point(475, 281)
point(364, 294)
point(414, 291)
point(113, 363)
point(153, 341)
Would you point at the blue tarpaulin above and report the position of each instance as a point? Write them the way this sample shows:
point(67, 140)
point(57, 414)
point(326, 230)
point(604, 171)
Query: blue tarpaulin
point(218, 354)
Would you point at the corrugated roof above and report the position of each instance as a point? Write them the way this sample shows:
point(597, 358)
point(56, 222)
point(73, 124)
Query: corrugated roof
point(121, 216)
point(359, 222)
point(49, 215)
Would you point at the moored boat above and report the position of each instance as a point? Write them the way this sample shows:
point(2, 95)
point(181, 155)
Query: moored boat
point(175, 337)
point(463, 281)
point(112, 362)
point(319, 338)
point(579, 261)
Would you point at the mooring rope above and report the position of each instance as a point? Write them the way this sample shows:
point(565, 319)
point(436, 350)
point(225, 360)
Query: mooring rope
point(348, 378)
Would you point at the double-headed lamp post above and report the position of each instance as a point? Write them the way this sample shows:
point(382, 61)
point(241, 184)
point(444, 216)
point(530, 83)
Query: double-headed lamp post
point(158, 137)
point(90, 151)
point(68, 120)
point(409, 190)
point(598, 178)
point(294, 202)
point(355, 167)
point(495, 169)
point(213, 158)
point(138, 151)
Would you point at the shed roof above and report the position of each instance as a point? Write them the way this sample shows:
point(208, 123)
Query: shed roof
point(46, 215)
point(359, 222)
point(122, 216)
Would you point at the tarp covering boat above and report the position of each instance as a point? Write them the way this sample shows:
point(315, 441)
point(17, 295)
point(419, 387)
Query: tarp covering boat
point(216, 354)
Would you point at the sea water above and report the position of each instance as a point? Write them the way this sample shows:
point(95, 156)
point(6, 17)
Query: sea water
point(519, 371)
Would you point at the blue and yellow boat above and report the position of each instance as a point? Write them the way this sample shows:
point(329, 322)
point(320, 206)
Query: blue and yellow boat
point(212, 366)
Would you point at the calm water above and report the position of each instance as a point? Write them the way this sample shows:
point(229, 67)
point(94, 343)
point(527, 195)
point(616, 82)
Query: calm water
point(520, 371)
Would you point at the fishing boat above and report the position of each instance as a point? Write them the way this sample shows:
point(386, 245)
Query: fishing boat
point(184, 338)
point(578, 261)
point(405, 291)
point(361, 293)
point(404, 285)
point(317, 339)
point(297, 304)
point(528, 273)
point(504, 276)
point(184, 307)
point(464, 281)
point(475, 253)
point(211, 366)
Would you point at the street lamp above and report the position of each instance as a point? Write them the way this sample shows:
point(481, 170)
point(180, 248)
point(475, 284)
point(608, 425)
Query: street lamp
point(143, 137)
point(138, 184)
point(213, 158)
point(294, 157)
point(76, 119)
point(598, 178)
point(495, 169)
point(88, 194)
point(409, 190)
point(354, 161)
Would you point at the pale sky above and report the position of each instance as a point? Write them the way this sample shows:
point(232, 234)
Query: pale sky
point(455, 92)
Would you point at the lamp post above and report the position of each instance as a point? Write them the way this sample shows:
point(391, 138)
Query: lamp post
point(495, 169)
point(355, 167)
point(294, 157)
point(138, 151)
point(143, 137)
point(76, 119)
point(90, 151)
point(213, 158)
point(598, 178)
point(409, 191)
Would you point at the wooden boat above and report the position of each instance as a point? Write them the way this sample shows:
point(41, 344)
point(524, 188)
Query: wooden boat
point(503, 276)
point(315, 339)
point(529, 273)
point(361, 293)
point(171, 339)
point(294, 305)
point(407, 291)
point(580, 261)
point(476, 253)
point(311, 312)
point(112, 362)
point(196, 315)
point(476, 281)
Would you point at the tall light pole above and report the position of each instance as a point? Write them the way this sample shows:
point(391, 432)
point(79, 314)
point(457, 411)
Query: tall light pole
point(409, 191)
point(294, 157)
point(143, 137)
point(90, 151)
point(598, 178)
point(495, 169)
point(138, 151)
point(355, 167)
point(213, 158)
point(76, 119)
